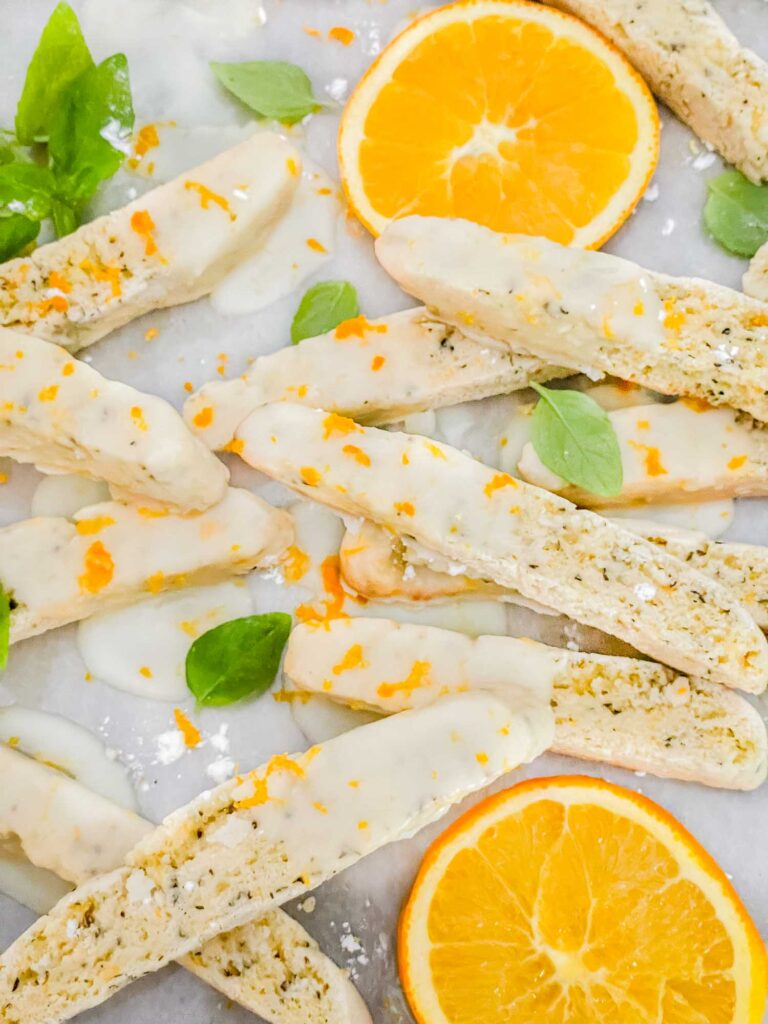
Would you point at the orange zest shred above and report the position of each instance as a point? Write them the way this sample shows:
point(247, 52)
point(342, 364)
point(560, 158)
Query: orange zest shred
point(419, 675)
point(330, 573)
point(652, 459)
point(358, 327)
point(144, 226)
point(48, 394)
point(310, 476)
point(737, 462)
point(155, 583)
point(406, 507)
point(98, 569)
point(697, 404)
point(137, 415)
point(146, 138)
point(207, 196)
point(236, 446)
point(437, 452)
point(57, 280)
point(296, 563)
point(110, 274)
point(315, 245)
point(353, 658)
point(204, 418)
point(357, 454)
point(335, 424)
point(55, 302)
point(260, 795)
point(88, 527)
point(189, 731)
point(497, 482)
point(341, 34)
point(377, 362)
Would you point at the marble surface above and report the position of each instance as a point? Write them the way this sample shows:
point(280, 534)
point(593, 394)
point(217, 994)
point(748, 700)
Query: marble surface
point(169, 44)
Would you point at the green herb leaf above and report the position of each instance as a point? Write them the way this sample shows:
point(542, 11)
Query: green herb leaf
point(92, 131)
point(11, 151)
point(65, 218)
point(271, 88)
point(16, 233)
point(736, 213)
point(5, 627)
point(237, 659)
point(26, 189)
point(574, 438)
point(61, 56)
point(324, 306)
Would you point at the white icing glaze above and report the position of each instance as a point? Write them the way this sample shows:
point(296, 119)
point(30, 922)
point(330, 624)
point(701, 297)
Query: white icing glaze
point(57, 741)
point(299, 244)
point(323, 823)
point(142, 648)
point(66, 494)
point(454, 265)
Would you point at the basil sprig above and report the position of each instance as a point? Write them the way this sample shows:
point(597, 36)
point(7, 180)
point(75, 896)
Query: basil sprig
point(324, 306)
point(273, 89)
point(78, 118)
point(237, 659)
point(736, 213)
point(5, 627)
point(574, 438)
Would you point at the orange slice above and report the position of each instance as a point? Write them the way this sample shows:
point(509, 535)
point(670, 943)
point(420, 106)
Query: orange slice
point(570, 900)
point(503, 112)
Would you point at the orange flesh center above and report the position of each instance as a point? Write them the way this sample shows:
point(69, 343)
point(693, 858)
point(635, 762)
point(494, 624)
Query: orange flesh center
point(574, 914)
point(496, 110)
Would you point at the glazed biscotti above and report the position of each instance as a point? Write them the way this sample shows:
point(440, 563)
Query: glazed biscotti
point(381, 565)
point(58, 570)
point(683, 451)
point(491, 526)
point(630, 713)
point(375, 371)
point(172, 245)
point(591, 311)
point(257, 841)
point(64, 417)
point(271, 965)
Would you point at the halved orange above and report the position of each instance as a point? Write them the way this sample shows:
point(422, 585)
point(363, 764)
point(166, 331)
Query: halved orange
point(504, 112)
point(573, 901)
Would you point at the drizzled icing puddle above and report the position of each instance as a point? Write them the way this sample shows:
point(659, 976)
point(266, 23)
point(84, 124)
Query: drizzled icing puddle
point(141, 649)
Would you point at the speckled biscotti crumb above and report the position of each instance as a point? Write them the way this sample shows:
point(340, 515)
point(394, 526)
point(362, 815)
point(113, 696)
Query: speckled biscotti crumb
point(271, 966)
point(492, 526)
point(592, 311)
point(622, 711)
point(257, 841)
point(171, 245)
point(375, 371)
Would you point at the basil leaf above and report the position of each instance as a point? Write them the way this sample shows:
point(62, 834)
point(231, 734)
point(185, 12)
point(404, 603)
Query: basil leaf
point(16, 233)
point(271, 88)
point(237, 659)
point(574, 438)
point(26, 189)
point(5, 627)
point(61, 56)
point(92, 131)
point(65, 218)
point(10, 150)
point(324, 306)
point(736, 213)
